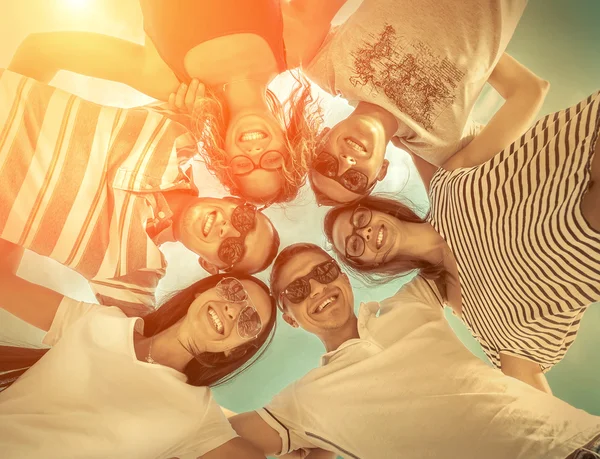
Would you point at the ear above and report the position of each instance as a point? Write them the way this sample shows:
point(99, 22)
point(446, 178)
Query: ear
point(383, 171)
point(290, 320)
point(208, 267)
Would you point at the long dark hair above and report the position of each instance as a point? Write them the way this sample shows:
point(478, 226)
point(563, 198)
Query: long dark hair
point(206, 369)
point(382, 273)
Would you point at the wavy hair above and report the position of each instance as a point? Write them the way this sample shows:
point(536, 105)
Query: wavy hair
point(205, 369)
point(377, 274)
point(300, 116)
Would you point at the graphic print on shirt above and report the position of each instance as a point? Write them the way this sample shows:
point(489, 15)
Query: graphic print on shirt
point(420, 83)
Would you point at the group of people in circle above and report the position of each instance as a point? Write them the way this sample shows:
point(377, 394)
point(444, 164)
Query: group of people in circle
point(511, 242)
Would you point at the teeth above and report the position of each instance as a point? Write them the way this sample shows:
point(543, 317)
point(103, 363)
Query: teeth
point(216, 321)
point(254, 135)
point(210, 219)
point(355, 146)
point(325, 303)
point(379, 237)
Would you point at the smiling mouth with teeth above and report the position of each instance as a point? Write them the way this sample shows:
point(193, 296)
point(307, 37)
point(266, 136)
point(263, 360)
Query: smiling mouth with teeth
point(355, 145)
point(209, 220)
point(325, 303)
point(252, 135)
point(215, 321)
point(379, 240)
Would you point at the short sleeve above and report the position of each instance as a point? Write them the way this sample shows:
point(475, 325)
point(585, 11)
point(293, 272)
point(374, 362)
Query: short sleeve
point(284, 414)
point(318, 70)
point(69, 311)
point(215, 430)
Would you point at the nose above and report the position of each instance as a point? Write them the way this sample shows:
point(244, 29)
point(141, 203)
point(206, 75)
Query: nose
point(366, 233)
point(255, 148)
point(346, 162)
point(232, 310)
point(316, 288)
point(227, 230)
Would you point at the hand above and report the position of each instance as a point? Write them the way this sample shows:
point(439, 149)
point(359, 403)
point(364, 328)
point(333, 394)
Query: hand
point(187, 97)
point(297, 454)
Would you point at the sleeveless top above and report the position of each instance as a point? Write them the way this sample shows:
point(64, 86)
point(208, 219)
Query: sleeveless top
point(176, 26)
point(529, 263)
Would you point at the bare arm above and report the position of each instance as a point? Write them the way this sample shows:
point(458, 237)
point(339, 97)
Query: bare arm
point(524, 93)
point(426, 170)
point(305, 26)
point(234, 449)
point(42, 55)
point(251, 427)
point(32, 303)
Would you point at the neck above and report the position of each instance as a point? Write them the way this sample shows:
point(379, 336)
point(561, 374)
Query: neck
point(421, 241)
point(245, 95)
point(387, 120)
point(335, 339)
point(164, 348)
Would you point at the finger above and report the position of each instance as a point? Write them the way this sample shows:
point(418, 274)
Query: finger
point(172, 105)
point(180, 98)
point(190, 96)
point(199, 96)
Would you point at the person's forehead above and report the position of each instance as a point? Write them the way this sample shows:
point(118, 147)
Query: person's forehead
point(300, 265)
point(332, 189)
point(341, 228)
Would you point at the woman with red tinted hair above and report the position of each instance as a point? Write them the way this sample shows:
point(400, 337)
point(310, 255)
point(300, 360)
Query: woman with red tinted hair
point(255, 144)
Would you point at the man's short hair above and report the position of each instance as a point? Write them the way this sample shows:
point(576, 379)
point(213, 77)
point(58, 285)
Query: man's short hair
point(285, 256)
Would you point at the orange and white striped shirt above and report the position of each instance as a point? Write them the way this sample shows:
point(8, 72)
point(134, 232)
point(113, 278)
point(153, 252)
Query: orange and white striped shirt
point(81, 183)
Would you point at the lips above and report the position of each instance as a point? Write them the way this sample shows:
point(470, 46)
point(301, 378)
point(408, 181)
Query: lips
point(215, 321)
point(209, 221)
point(325, 303)
point(252, 135)
point(355, 145)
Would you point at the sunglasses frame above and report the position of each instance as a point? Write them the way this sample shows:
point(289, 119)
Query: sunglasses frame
point(241, 238)
point(338, 178)
point(246, 300)
point(305, 281)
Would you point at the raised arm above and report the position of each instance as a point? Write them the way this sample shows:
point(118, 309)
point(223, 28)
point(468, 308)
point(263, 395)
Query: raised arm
point(524, 93)
point(42, 55)
point(305, 26)
point(251, 427)
point(32, 303)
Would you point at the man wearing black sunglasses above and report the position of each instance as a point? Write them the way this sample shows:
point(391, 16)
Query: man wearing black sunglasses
point(397, 382)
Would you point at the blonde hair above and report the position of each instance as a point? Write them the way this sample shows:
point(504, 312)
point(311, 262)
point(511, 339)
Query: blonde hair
point(300, 116)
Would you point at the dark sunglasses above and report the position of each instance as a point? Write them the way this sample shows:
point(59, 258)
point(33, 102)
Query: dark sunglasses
point(232, 249)
point(232, 290)
point(243, 165)
point(299, 289)
point(353, 180)
point(355, 244)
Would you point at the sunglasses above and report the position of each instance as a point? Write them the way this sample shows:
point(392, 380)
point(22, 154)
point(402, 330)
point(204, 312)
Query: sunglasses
point(249, 324)
point(355, 243)
point(353, 180)
point(232, 249)
point(299, 289)
point(243, 165)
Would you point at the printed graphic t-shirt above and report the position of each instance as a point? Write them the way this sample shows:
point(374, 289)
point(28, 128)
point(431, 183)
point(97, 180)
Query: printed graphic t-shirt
point(424, 61)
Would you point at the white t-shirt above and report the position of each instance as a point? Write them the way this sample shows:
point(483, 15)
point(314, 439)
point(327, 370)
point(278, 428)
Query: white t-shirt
point(408, 388)
point(89, 397)
point(424, 61)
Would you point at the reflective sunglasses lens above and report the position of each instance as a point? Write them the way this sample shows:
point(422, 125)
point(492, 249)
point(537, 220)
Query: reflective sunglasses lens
point(326, 165)
point(232, 290)
point(243, 218)
point(354, 181)
point(249, 323)
point(231, 251)
point(272, 160)
point(355, 246)
point(297, 291)
point(327, 272)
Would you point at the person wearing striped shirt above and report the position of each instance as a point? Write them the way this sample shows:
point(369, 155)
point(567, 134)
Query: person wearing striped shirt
point(396, 381)
point(99, 189)
point(514, 241)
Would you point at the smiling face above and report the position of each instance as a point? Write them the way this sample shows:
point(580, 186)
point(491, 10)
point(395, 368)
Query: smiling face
point(367, 237)
point(211, 323)
point(256, 150)
point(207, 223)
point(357, 144)
point(328, 307)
